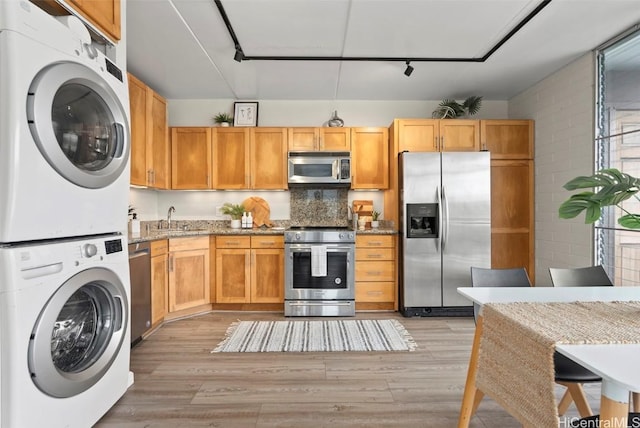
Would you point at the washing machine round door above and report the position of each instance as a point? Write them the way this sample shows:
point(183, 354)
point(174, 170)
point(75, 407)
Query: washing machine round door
point(79, 124)
point(79, 333)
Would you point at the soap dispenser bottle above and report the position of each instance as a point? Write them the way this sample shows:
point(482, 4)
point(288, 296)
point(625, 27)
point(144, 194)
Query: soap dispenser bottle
point(244, 220)
point(250, 220)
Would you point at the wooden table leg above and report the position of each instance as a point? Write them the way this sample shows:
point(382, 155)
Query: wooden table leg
point(613, 413)
point(472, 395)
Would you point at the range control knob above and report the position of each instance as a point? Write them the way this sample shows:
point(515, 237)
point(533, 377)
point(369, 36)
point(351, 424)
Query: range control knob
point(298, 236)
point(89, 250)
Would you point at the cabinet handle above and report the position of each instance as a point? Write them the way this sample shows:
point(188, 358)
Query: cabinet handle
point(170, 263)
point(374, 256)
point(375, 243)
point(374, 293)
point(442, 143)
point(374, 273)
point(435, 143)
point(208, 180)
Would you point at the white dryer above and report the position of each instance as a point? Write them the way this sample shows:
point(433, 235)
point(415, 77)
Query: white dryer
point(64, 129)
point(64, 325)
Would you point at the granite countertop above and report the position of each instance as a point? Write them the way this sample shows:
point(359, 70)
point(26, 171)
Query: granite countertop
point(155, 234)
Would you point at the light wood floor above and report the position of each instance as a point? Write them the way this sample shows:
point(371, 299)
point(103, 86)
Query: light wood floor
point(180, 383)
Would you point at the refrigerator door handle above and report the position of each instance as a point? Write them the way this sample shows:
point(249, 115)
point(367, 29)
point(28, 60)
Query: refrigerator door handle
point(440, 243)
point(445, 226)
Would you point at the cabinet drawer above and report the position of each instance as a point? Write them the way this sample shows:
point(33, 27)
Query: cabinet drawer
point(375, 253)
point(374, 241)
point(275, 241)
point(233, 241)
point(159, 247)
point(375, 292)
point(375, 271)
point(191, 243)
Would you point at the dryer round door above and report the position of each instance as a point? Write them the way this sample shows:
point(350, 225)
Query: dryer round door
point(79, 333)
point(79, 124)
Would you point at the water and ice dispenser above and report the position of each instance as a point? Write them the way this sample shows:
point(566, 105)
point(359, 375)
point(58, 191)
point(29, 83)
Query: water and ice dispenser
point(422, 220)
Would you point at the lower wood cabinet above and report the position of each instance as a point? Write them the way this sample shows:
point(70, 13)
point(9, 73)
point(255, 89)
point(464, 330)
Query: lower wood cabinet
point(188, 272)
point(376, 272)
point(249, 269)
point(159, 280)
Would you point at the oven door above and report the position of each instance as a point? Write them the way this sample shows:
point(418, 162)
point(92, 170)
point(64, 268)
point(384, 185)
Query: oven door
point(337, 284)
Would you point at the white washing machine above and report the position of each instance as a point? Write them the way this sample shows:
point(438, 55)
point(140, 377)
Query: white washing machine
point(64, 129)
point(64, 330)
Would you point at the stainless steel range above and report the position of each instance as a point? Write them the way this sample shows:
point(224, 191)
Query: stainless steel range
point(319, 271)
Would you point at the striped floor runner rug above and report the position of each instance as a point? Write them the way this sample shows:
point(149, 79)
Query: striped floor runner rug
point(316, 336)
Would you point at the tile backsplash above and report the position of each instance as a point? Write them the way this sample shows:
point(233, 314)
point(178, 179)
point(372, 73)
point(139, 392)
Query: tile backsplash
point(319, 207)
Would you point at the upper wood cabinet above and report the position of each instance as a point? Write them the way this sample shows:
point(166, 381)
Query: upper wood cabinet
point(190, 158)
point(231, 158)
point(438, 135)
point(103, 14)
point(150, 148)
point(250, 158)
point(268, 158)
point(370, 158)
point(320, 139)
point(507, 139)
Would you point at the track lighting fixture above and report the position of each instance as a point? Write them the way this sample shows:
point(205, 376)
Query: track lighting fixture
point(239, 56)
point(409, 69)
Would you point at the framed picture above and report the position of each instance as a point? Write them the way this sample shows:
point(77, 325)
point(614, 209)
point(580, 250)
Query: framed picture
point(245, 113)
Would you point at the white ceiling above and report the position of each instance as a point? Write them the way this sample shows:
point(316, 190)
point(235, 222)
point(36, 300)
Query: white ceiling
point(183, 50)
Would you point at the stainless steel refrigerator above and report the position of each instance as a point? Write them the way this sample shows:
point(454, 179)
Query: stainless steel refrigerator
point(445, 227)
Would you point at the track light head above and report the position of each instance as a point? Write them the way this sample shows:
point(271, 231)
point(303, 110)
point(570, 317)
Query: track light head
point(239, 56)
point(409, 69)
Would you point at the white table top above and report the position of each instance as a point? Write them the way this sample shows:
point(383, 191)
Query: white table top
point(617, 363)
point(482, 295)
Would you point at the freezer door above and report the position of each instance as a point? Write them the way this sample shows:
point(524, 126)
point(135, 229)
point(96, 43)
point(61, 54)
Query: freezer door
point(421, 261)
point(466, 187)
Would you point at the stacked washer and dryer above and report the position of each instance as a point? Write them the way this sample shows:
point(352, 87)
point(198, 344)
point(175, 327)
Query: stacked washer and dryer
point(64, 180)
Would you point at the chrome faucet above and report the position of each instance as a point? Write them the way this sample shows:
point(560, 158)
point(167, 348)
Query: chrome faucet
point(171, 211)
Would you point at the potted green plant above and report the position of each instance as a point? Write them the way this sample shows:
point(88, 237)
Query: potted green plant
point(223, 119)
point(451, 109)
point(235, 211)
point(612, 188)
point(375, 215)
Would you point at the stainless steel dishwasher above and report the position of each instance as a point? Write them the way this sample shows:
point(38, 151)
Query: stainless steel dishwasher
point(140, 272)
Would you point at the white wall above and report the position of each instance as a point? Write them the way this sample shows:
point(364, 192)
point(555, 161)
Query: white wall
point(153, 205)
point(562, 106)
point(317, 113)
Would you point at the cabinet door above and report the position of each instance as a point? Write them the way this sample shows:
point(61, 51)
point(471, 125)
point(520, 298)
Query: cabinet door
point(190, 158)
point(158, 147)
point(159, 284)
point(512, 215)
point(370, 158)
point(231, 158)
point(138, 108)
point(335, 139)
point(233, 273)
point(188, 279)
point(459, 135)
point(269, 158)
point(418, 135)
point(303, 139)
point(507, 139)
point(267, 276)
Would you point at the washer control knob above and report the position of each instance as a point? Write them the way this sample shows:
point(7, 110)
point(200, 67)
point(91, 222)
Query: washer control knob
point(92, 52)
point(89, 250)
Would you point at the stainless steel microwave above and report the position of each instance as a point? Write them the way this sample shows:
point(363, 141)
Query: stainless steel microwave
point(319, 169)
